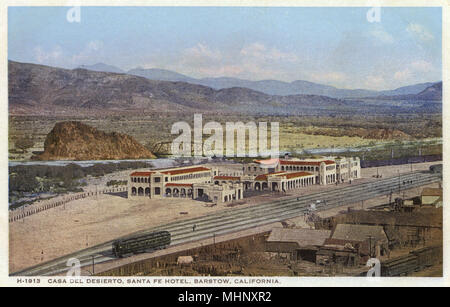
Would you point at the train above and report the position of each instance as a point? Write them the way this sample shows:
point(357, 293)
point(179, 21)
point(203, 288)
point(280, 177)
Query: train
point(140, 244)
point(436, 168)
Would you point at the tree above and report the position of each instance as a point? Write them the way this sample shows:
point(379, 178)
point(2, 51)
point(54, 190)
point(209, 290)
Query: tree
point(24, 143)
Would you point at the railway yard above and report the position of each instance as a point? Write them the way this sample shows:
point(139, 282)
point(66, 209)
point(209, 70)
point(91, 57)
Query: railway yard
point(41, 244)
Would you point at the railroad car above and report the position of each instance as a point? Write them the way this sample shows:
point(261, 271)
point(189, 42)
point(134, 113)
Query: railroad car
point(141, 244)
point(436, 168)
point(399, 266)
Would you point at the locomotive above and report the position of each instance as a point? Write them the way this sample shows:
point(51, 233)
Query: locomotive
point(140, 244)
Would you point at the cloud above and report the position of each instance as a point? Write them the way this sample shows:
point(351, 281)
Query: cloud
point(88, 54)
point(403, 75)
point(329, 77)
point(251, 61)
point(61, 58)
point(202, 51)
point(375, 82)
point(422, 66)
point(419, 31)
point(261, 52)
point(382, 36)
point(412, 70)
point(47, 56)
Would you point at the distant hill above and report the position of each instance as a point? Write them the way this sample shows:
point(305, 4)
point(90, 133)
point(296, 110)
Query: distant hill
point(102, 67)
point(407, 90)
point(433, 92)
point(49, 90)
point(161, 75)
point(271, 87)
point(43, 90)
point(76, 141)
point(275, 87)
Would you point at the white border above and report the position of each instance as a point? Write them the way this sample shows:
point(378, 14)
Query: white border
point(5, 280)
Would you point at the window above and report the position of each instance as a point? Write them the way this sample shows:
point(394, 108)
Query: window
point(166, 179)
point(157, 191)
point(157, 179)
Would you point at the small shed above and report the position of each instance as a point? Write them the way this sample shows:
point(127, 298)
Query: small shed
point(345, 252)
point(431, 197)
point(376, 236)
point(298, 244)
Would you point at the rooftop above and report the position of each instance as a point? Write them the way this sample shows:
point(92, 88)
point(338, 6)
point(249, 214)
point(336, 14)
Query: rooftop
point(296, 175)
point(263, 177)
point(432, 192)
point(141, 174)
point(422, 218)
point(303, 237)
point(186, 170)
point(178, 184)
point(227, 178)
point(299, 162)
point(359, 232)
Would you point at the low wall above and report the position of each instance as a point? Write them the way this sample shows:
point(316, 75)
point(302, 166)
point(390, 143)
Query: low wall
point(42, 205)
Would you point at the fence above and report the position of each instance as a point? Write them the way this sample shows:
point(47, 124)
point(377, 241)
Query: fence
point(43, 205)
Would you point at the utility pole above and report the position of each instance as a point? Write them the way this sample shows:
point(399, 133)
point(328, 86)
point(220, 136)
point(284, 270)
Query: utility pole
point(93, 265)
point(370, 246)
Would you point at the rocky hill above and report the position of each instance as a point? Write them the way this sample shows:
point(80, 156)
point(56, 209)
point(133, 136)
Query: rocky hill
point(77, 141)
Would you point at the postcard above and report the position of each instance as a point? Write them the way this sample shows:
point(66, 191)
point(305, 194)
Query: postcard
point(257, 144)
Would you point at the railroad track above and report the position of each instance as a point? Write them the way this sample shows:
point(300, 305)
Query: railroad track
point(244, 218)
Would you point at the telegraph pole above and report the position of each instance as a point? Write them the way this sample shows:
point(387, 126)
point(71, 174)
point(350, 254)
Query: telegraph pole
point(93, 265)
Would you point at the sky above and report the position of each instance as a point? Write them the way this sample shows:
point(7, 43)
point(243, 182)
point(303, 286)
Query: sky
point(341, 47)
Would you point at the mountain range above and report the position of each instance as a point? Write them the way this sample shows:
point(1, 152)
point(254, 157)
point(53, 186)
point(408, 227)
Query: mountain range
point(45, 90)
point(270, 87)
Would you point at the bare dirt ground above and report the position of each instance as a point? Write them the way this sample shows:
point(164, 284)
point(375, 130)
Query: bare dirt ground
point(87, 222)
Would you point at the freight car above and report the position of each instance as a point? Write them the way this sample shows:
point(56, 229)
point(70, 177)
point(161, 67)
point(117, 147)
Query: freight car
point(415, 261)
point(141, 244)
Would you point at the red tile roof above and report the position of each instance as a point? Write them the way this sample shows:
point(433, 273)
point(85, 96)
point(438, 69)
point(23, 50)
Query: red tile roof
point(178, 185)
point(327, 162)
point(264, 176)
point(295, 175)
point(261, 177)
point(314, 163)
point(141, 174)
point(186, 170)
point(227, 178)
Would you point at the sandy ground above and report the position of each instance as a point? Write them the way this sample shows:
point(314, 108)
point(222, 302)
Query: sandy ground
point(86, 222)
